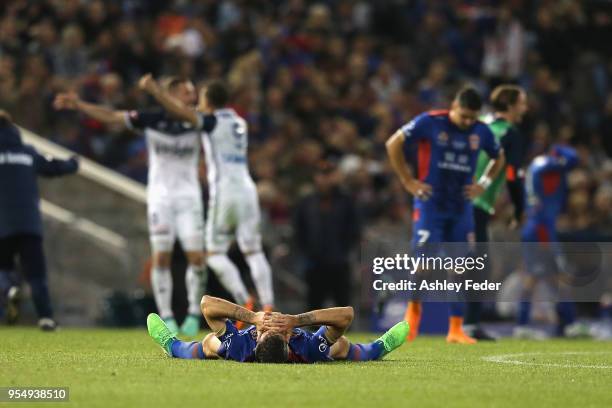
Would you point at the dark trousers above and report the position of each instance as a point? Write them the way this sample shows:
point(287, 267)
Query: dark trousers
point(28, 251)
point(328, 280)
point(481, 230)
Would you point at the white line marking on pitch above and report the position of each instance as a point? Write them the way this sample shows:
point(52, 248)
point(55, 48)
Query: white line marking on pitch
point(512, 359)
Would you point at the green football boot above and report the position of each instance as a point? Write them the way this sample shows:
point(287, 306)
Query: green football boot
point(160, 333)
point(394, 337)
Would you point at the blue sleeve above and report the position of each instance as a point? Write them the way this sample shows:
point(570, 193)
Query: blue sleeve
point(138, 120)
point(206, 122)
point(229, 330)
point(50, 167)
point(319, 346)
point(562, 159)
point(566, 156)
point(488, 142)
point(237, 345)
point(417, 129)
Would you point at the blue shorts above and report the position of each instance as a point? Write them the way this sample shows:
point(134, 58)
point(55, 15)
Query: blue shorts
point(307, 347)
point(431, 226)
point(540, 248)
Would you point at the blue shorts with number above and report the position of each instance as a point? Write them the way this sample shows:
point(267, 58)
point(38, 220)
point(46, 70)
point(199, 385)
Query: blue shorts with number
point(431, 226)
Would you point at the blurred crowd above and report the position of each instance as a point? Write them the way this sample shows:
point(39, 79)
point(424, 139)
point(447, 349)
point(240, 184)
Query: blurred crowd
point(328, 79)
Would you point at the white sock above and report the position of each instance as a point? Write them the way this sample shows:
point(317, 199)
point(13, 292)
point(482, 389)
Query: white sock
point(229, 276)
point(195, 283)
point(262, 277)
point(161, 281)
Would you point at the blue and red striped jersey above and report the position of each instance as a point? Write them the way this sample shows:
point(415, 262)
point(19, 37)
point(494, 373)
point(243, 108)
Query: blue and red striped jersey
point(446, 155)
point(546, 183)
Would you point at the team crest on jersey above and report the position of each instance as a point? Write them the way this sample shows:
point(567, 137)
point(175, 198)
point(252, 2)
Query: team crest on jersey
point(474, 141)
point(443, 138)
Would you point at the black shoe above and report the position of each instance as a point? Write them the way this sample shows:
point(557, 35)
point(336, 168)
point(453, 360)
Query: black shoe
point(12, 305)
point(479, 333)
point(47, 324)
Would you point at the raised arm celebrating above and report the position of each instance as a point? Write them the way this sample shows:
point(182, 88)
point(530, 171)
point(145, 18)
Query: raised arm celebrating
point(108, 116)
point(174, 106)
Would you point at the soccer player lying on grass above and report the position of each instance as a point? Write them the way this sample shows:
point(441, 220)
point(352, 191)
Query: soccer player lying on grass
point(275, 337)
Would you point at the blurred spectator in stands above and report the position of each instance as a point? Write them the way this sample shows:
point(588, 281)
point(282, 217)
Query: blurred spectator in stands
point(312, 79)
point(326, 231)
point(70, 56)
point(504, 49)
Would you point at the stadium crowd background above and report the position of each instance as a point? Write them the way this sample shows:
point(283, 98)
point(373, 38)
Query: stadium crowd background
point(323, 80)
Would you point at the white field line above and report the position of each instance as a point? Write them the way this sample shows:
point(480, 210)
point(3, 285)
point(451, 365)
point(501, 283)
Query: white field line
point(514, 359)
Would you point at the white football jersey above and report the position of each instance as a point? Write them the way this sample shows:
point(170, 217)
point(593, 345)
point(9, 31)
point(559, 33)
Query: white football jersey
point(174, 150)
point(226, 147)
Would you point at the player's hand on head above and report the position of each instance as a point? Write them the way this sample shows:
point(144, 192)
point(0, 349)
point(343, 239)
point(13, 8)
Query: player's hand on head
point(419, 189)
point(280, 322)
point(261, 320)
point(472, 191)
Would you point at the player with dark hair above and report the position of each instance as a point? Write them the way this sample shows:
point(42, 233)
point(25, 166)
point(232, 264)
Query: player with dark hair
point(447, 143)
point(509, 103)
point(20, 220)
point(174, 198)
point(546, 188)
point(233, 205)
point(275, 337)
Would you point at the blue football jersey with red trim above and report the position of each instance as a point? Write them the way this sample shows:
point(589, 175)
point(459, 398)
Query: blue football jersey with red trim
point(238, 345)
point(546, 183)
point(307, 347)
point(446, 156)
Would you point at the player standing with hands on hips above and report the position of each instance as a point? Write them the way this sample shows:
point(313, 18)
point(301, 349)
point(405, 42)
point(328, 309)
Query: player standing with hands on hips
point(447, 146)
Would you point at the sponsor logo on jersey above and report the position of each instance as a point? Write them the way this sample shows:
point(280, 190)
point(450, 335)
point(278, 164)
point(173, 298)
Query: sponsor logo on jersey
point(445, 165)
point(458, 144)
point(16, 158)
point(322, 344)
point(474, 141)
point(233, 158)
point(442, 138)
point(180, 151)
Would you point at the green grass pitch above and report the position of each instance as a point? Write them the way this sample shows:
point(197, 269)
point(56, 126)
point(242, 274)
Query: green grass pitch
point(124, 368)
